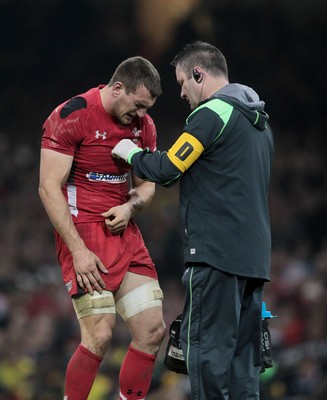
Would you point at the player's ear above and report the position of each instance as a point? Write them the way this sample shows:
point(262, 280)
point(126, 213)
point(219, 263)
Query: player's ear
point(117, 88)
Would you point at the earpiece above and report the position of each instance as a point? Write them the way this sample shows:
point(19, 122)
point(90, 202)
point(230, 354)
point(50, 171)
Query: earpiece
point(197, 76)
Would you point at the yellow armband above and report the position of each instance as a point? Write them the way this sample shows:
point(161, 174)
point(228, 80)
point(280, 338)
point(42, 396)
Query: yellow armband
point(185, 151)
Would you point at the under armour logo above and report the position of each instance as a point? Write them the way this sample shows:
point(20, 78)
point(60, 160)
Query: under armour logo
point(130, 391)
point(102, 135)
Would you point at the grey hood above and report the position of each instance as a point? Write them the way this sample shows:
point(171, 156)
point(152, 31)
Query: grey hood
point(246, 100)
point(244, 94)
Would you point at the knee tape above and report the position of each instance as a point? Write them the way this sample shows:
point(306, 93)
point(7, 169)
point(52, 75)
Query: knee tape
point(98, 303)
point(145, 296)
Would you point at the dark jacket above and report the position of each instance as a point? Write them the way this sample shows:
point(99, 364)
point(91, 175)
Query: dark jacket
point(224, 193)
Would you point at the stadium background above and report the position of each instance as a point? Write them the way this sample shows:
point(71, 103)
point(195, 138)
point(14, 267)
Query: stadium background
point(53, 49)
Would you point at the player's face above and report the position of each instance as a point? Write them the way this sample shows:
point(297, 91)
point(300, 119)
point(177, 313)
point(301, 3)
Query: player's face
point(190, 89)
point(128, 106)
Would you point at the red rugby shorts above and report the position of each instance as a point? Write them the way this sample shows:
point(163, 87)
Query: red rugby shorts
point(119, 254)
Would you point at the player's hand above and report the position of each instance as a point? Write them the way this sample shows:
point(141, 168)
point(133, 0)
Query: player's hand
point(117, 218)
point(123, 149)
point(87, 266)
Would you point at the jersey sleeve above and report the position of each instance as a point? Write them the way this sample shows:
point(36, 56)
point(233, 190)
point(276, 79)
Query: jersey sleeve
point(61, 134)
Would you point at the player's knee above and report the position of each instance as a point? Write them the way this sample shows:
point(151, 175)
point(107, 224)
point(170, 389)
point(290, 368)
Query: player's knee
point(151, 339)
point(97, 334)
point(157, 336)
point(101, 337)
point(157, 332)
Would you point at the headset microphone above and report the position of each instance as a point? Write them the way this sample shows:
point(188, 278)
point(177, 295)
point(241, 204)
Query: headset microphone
point(197, 76)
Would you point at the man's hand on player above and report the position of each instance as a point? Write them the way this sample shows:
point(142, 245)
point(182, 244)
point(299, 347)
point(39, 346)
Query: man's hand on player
point(124, 149)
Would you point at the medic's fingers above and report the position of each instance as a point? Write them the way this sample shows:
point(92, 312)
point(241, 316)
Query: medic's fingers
point(185, 151)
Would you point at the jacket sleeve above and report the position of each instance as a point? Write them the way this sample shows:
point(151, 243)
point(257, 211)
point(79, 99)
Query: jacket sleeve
point(155, 167)
point(166, 168)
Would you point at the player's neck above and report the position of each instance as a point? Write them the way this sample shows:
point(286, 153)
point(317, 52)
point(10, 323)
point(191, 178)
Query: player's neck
point(105, 95)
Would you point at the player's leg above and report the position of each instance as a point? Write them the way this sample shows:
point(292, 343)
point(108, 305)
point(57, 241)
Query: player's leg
point(246, 365)
point(139, 302)
point(96, 315)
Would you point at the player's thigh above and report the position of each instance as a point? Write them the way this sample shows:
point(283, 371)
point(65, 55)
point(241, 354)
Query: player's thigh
point(139, 302)
point(130, 282)
point(96, 315)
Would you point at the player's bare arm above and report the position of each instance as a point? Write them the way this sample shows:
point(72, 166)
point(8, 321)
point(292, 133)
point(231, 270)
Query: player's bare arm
point(140, 196)
point(54, 171)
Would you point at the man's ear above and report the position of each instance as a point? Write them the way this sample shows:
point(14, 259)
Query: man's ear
point(117, 88)
point(197, 75)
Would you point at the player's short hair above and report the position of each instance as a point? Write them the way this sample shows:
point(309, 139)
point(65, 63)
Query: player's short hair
point(135, 72)
point(203, 55)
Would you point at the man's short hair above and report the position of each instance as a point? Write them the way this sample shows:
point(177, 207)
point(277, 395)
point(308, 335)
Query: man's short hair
point(135, 72)
point(203, 55)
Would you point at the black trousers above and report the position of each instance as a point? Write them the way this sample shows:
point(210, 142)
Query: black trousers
point(220, 334)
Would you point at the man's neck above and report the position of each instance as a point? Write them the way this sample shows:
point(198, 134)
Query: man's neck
point(212, 85)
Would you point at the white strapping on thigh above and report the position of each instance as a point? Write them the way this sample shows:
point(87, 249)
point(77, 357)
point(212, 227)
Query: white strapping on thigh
point(98, 303)
point(139, 299)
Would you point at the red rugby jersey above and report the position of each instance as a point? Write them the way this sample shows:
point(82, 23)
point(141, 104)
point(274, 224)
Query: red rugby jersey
point(82, 128)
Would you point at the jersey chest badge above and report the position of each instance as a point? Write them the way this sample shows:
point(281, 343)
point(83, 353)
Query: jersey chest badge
point(136, 132)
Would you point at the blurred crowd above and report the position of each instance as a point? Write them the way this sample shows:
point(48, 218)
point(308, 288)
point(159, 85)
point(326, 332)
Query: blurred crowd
point(48, 56)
